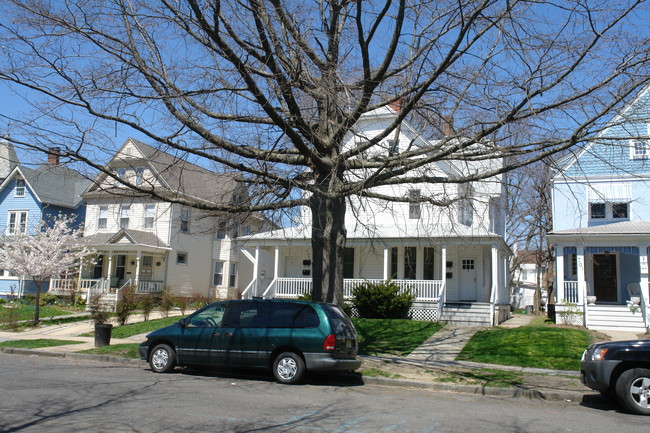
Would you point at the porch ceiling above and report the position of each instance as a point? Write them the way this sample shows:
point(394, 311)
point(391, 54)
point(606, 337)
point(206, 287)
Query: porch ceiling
point(634, 232)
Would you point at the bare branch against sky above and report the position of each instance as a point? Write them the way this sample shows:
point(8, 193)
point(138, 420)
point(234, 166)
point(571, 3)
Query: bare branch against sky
point(273, 89)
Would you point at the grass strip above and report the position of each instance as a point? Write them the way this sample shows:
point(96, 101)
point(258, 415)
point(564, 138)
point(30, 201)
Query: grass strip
point(125, 350)
point(37, 343)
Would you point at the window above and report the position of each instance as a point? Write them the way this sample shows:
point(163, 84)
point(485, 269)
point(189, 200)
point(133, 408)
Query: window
point(185, 220)
point(147, 261)
point(466, 211)
point(124, 216)
point(428, 263)
point(17, 222)
point(121, 173)
point(221, 230)
point(181, 258)
point(348, 263)
point(414, 204)
point(620, 210)
point(20, 188)
point(149, 211)
point(102, 218)
point(217, 277)
point(640, 149)
point(393, 262)
point(467, 264)
point(410, 262)
point(232, 280)
point(290, 315)
point(139, 175)
point(597, 210)
point(393, 147)
point(245, 230)
point(208, 318)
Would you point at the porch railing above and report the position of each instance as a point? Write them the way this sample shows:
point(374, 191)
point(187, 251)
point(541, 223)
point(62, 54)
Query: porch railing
point(571, 293)
point(424, 290)
point(150, 286)
point(63, 285)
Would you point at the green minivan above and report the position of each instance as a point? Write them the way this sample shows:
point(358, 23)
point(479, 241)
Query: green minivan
point(289, 336)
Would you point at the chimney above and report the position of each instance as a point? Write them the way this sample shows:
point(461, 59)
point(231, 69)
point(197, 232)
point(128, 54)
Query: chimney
point(53, 155)
point(447, 125)
point(396, 105)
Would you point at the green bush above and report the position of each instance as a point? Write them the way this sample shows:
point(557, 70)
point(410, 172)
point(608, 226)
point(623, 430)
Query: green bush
point(382, 301)
point(167, 301)
point(126, 304)
point(147, 304)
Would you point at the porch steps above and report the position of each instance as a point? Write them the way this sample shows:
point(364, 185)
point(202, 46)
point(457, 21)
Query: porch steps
point(467, 313)
point(107, 301)
point(614, 318)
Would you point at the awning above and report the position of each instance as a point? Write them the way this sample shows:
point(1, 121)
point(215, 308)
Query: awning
point(610, 192)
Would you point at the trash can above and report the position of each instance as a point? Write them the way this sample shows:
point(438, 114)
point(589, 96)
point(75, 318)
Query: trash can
point(529, 309)
point(103, 334)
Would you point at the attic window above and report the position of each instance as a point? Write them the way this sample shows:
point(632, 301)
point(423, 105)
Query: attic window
point(121, 173)
point(139, 175)
point(20, 188)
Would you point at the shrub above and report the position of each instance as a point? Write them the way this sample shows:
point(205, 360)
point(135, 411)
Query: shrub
point(305, 297)
point(166, 302)
point(382, 301)
point(197, 301)
point(147, 305)
point(48, 299)
point(126, 304)
point(98, 311)
point(182, 304)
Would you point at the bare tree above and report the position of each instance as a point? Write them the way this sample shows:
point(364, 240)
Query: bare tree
point(273, 89)
point(530, 218)
point(53, 250)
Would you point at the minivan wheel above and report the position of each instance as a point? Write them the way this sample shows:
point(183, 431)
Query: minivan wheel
point(289, 368)
point(633, 390)
point(162, 359)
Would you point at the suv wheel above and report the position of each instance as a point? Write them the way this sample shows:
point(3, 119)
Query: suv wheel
point(633, 390)
point(162, 359)
point(289, 368)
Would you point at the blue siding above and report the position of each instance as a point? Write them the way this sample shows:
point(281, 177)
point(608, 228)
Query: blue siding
point(9, 202)
point(52, 212)
point(609, 155)
point(28, 286)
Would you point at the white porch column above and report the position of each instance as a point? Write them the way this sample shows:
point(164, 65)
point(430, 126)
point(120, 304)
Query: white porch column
point(495, 282)
point(582, 283)
point(256, 268)
point(276, 262)
point(643, 281)
point(110, 267)
point(138, 257)
point(443, 272)
point(559, 274)
point(386, 262)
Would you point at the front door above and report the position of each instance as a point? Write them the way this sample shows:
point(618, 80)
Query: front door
point(605, 278)
point(467, 279)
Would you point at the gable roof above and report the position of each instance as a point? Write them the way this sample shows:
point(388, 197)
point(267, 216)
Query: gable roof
point(52, 184)
point(176, 176)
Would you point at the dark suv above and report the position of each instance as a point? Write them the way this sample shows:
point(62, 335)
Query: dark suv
point(621, 369)
point(291, 337)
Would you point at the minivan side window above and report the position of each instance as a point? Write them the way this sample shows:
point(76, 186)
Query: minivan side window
point(291, 315)
point(209, 318)
point(245, 315)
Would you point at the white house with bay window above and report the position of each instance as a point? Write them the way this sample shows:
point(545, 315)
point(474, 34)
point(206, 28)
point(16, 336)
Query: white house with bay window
point(601, 226)
point(454, 258)
point(153, 244)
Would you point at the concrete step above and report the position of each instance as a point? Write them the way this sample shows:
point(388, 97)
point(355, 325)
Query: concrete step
point(614, 318)
point(467, 314)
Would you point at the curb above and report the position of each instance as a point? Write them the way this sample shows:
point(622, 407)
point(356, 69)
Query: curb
point(530, 394)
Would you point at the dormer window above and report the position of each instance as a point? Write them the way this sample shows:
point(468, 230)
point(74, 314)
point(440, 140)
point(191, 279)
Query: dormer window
point(20, 188)
point(121, 173)
point(139, 175)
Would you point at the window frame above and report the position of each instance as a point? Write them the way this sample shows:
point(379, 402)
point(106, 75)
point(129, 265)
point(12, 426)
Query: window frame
point(19, 221)
point(149, 219)
point(217, 273)
point(125, 209)
point(102, 221)
point(232, 276)
point(639, 152)
point(185, 258)
point(19, 190)
point(139, 175)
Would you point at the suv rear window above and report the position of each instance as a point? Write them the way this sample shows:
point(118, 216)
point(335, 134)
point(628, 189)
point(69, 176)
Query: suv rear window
point(291, 315)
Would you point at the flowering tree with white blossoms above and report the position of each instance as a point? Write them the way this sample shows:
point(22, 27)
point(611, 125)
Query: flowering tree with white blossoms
point(53, 250)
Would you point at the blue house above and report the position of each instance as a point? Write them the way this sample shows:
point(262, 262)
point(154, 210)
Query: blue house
point(601, 226)
point(31, 196)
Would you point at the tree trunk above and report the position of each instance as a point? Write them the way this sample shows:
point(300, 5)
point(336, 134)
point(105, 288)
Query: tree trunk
point(328, 246)
point(37, 307)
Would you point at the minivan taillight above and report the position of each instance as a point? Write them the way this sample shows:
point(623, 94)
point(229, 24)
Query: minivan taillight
point(330, 342)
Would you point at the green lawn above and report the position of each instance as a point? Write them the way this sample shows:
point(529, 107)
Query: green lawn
point(26, 312)
point(127, 350)
point(538, 346)
point(35, 344)
point(392, 336)
point(143, 327)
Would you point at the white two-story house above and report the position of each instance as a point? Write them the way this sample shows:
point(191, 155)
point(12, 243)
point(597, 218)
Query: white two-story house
point(601, 225)
point(453, 258)
point(153, 244)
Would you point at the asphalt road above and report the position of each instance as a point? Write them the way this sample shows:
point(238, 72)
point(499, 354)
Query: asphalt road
point(40, 394)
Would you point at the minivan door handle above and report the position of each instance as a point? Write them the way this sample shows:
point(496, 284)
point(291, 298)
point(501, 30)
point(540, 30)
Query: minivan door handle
point(219, 334)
